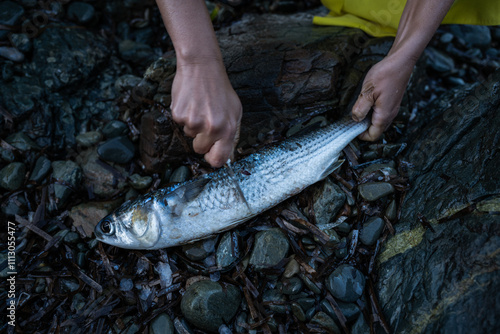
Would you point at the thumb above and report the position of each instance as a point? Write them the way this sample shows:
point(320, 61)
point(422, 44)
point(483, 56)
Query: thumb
point(363, 104)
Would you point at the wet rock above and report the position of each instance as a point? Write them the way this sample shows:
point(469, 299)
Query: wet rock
point(346, 283)
point(342, 252)
point(275, 300)
point(126, 82)
point(140, 182)
point(162, 324)
point(126, 284)
point(291, 286)
point(298, 312)
point(10, 14)
point(389, 168)
point(328, 198)
point(323, 320)
point(179, 175)
point(88, 139)
point(208, 305)
point(81, 12)
point(292, 268)
point(472, 35)
point(87, 215)
point(22, 142)
point(12, 176)
point(67, 176)
point(200, 249)
point(15, 205)
point(310, 284)
point(114, 129)
point(360, 326)
point(391, 210)
point(137, 53)
point(71, 237)
point(439, 61)
point(6, 155)
point(374, 191)
point(78, 302)
point(371, 231)
point(68, 285)
point(14, 97)
point(446, 38)
point(21, 42)
point(349, 310)
point(226, 254)
point(41, 169)
point(11, 53)
point(103, 181)
point(269, 249)
point(119, 149)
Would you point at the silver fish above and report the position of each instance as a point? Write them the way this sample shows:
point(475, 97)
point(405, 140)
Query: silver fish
point(210, 204)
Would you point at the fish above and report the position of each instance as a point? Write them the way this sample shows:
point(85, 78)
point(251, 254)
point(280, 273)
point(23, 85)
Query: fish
point(212, 203)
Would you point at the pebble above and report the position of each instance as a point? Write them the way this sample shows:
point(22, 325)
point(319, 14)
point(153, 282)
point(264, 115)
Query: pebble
point(306, 303)
point(78, 302)
point(15, 205)
point(277, 302)
point(119, 150)
point(6, 155)
point(124, 83)
point(223, 329)
point(140, 182)
point(11, 53)
point(241, 320)
point(298, 312)
point(208, 305)
point(374, 191)
point(371, 231)
point(391, 210)
point(41, 169)
point(291, 269)
point(21, 141)
point(134, 52)
point(12, 176)
point(344, 227)
point(360, 326)
point(328, 198)
point(291, 286)
point(369, 155)
point(341, 253)
point(225, 255)
point(22, 42)
point(81, 12)
point(472, 35)
point(126, 284)
point(10, 14)
point(346, 283)
point(322, 319)
point(72, 237)
point(181, 327)
point(439, 61)
point(181, 174)
point(69, 284)
point(390, 150)
point(199, 250)
point(310, 284)
point(67, 176)
point(81, 259)
point(388, 168)
point(89, 138)
point(114, 129)
point(269, 249)
point(349, 310)
point(446, 38)
point(455, 81)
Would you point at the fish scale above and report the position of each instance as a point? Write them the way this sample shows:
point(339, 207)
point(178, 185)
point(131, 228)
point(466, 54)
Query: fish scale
point(211, 204)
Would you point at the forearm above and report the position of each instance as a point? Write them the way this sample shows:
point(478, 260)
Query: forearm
point(419, 22)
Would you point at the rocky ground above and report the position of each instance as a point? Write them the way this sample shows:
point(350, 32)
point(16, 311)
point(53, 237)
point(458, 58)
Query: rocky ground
point(403, 238)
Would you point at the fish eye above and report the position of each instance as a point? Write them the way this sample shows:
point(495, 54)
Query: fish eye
point(107, 227)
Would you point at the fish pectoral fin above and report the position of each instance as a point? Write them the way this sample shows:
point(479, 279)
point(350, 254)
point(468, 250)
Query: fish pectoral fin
point(332, 168)
point(191, 190)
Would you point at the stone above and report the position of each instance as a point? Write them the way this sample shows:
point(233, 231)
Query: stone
point(391, 210)
point(126, 284)
point(446, 38)
point(11, 53)
point(298, 312)
point(69, 284)
point(275, 300)
point(41, 169)
point(114, 129)
point(310, 284)
point(10, 14)
point(292, 268)
point(199, 250)
point(439, 61)
point(137, 53)
point(360, 326)
point(78, 302)
point(126, 82)
point(208, 305)
point(22, 42)
point(81, 12)
point(71, 237)
point(12, 176)
point(291, 286)
point(472, 35)
point(179, 175)
point(140, 182)
point(87, 215)
point(328, 198)
point(119, 150)
point(88, 139)
point(22, 142)
point(6, 155)
point(375, 190)
point(162, 324)
point(342, 252)
point(67, 176)
point(346, 283)
point(323, 320)
point(226, 255)
point(371, 231)
point(14, 205)
point(269, 249)
point(349, 310)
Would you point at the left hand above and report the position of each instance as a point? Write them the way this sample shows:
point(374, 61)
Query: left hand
point(382, 90)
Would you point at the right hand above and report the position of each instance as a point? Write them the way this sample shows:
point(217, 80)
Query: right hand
point(206, 105)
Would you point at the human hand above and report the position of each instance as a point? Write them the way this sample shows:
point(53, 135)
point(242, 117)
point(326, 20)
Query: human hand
point(382, 90)
point(206, 105)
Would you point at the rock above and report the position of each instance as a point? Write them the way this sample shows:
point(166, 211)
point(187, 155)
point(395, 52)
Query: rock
point(71, 237)
point(208, 305)
point(360, 326)
point(78, 302)
point(269, 249)
point(6, 155)
point(374, 191)
point(200, 249)
point(179, 175)
point(21, 42)
point(292, 268)
point(342, 252)
point(472, 35)
point(69, 285)
point(162, 324)
point(291, 286)
point(22, 142)
point(67, 176)
point(137, 53)
point(87, 215)
point(10, 14)
point(328, 198)
point(126, 284)
point(277, 302)
point(349, 310)
point(310, 284)
point(11, 53)
point(12, 176)
point(114, 129)
point(81, 12)
point(126, 82)
point(323, 320)
point(89, 138)
point(371, 231)
point(391, 210)
point(140, 182)
point(443, 280)
point(41, 169)
point(118, 149)
point(298, 312)
point(446, 38)
point(346, 283)
point(439, 61)
point(15, 205)
point(226, 254)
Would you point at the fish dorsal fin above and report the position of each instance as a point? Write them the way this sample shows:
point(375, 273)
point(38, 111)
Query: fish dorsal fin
point(180, 196)
point(332, 168)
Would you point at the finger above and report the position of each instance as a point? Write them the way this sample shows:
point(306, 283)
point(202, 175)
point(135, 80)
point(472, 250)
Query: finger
point(203, 142)
point(219, 153)
point(363, 104)
point(379, 124)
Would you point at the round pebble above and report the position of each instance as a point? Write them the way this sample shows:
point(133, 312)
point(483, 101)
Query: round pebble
point(270, 248)
point(346, 283)
point(12, 176)
point(291, 286)
point(181, 174)
point(376, 190)
point(88, 139)
point(41, 169)
point(277, 302)
point(118, 149)
point(322, 319)
point(114, 129)
point(291, 269)
point(126, 284)
point(140, 182)
point(226, 254)
point(81, 12)
point(371, 230)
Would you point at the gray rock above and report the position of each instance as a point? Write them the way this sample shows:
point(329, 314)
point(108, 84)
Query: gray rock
point(328, 198)
point(181, 174)
point(88, 139)
point(78, 302)
point(11, 53)
point(119, 150)
point(22, 142)
point(12, 176)
point(21, 42)
point(126, 82)
point(277, 302)
point(298, 312)
point(291, 286)
point(446, 38)
point(292, 268)
point(342, 252)
point(472, 35)
point(371, 231)
point(15, 205)
point(137, 53)
point(360, 326)
point(349, 310)
point(67, 176)
point(6, 155)
point(346, 283)
point(322, 319)
point(374, 191)
point(310, 284)
point(41, 169)
point(269, 249)
point(140, 182)
point(69, 284)
point(71, 237)
point(10, 14)
point(200, 249)
point(391, 210)
point(81, 12)
point(126, 284)
point(439, 61)
point(208, 305)
point(226, 255)
point(114, 129)
point(162, 324)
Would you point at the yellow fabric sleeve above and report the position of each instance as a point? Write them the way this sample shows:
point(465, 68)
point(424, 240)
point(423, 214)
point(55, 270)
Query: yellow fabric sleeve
point(380, 18)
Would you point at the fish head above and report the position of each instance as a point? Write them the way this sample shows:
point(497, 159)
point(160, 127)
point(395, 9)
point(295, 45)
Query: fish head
point(134, 225)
